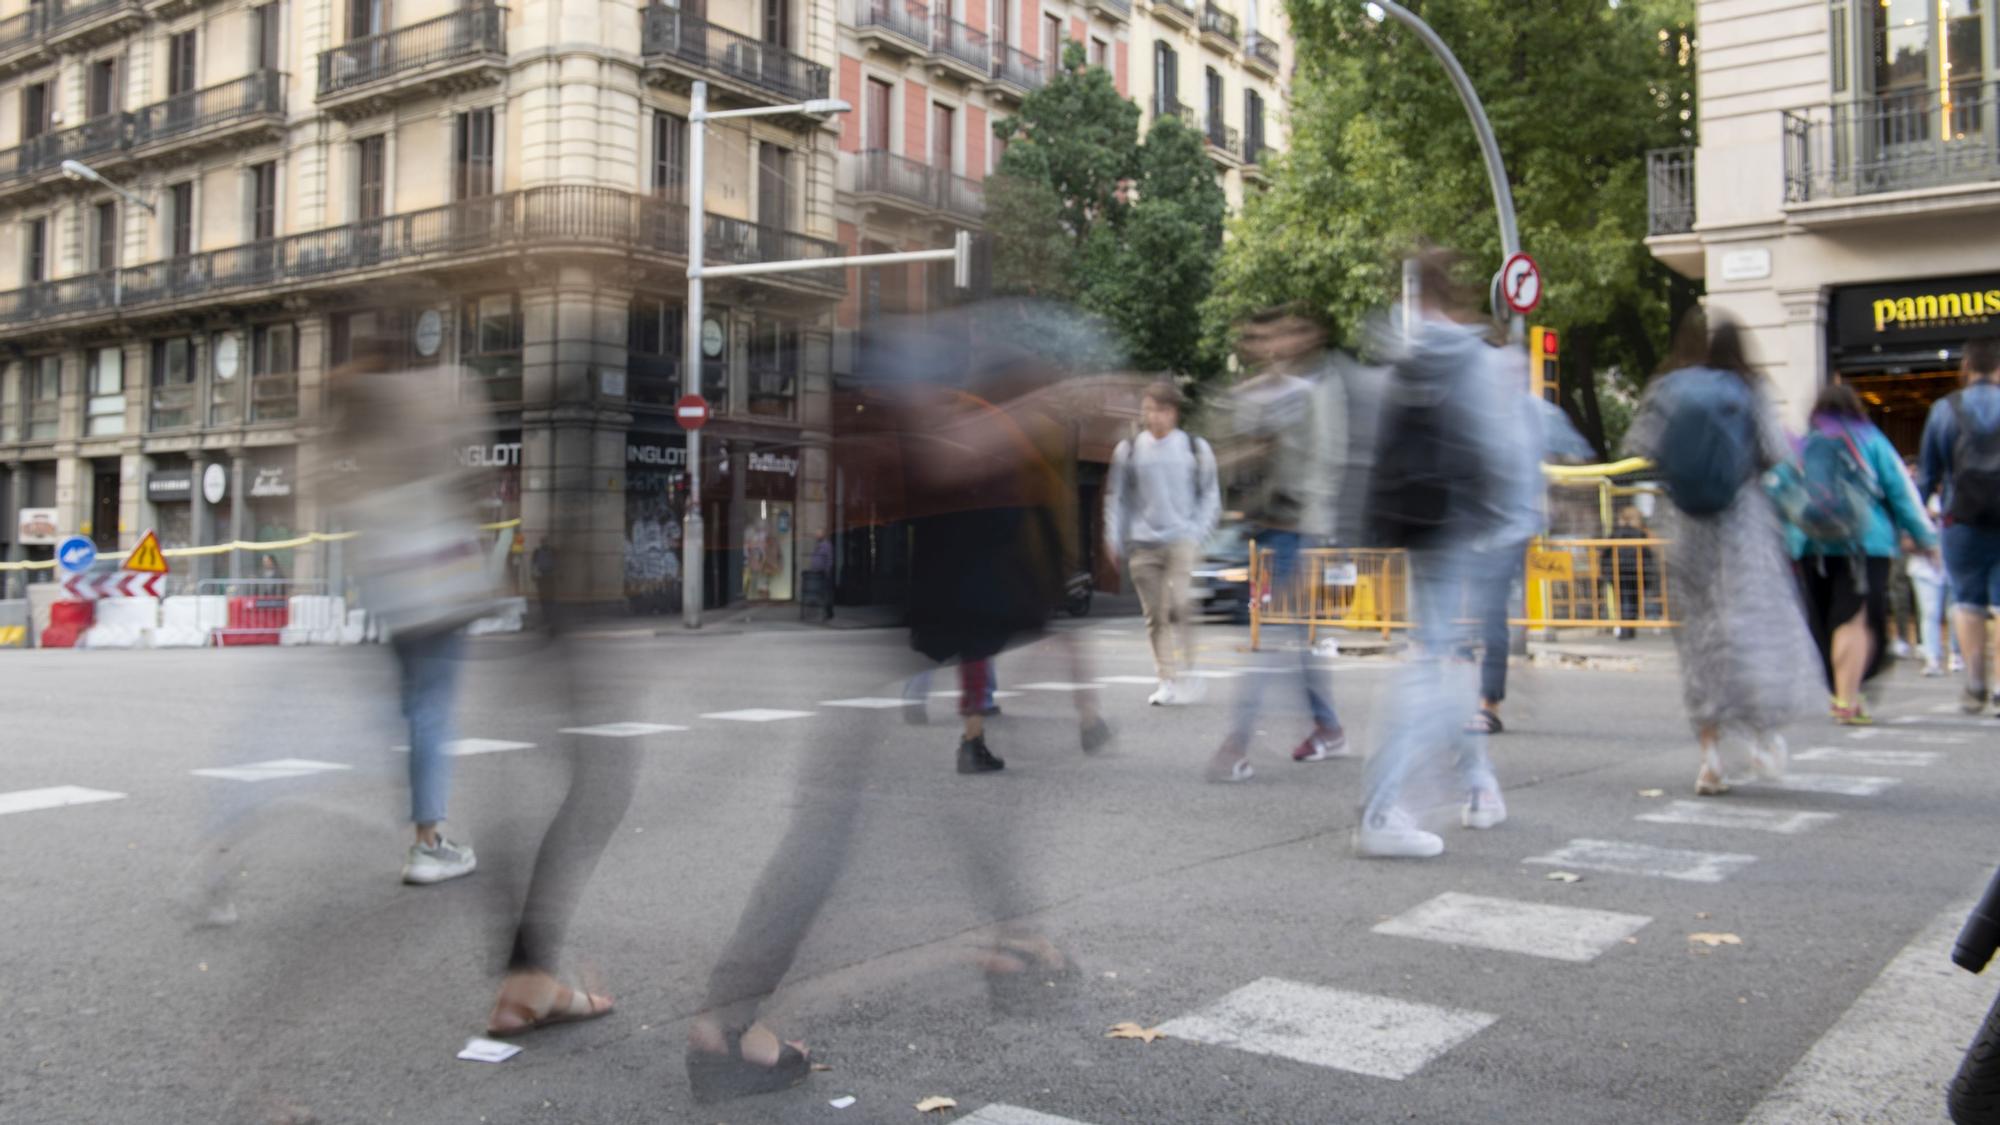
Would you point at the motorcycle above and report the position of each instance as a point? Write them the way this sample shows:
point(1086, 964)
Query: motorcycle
point(1974, 1094)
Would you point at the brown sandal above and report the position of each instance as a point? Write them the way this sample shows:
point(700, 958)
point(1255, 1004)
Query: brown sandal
point(571, 1006)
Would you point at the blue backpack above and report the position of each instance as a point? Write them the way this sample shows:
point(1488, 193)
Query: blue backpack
point(1836, 491)
point(1708, 448)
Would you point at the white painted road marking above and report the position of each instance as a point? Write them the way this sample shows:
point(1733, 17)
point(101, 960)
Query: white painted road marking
point(270, 771)
point(465, 747)
point(1889, 1057)
point(1141, 680)
point(1838, 784)
point(757, 715)
point(1869, 757)
point(1564, 933)
point(54, 797)
point(1352, 1031)
point(998, 1114)
point(954, 693)
point(1622, 858)
point(622, 730)
point(1054, 685)
point(1954, 721)
point(1709, 814)
point(872, 702)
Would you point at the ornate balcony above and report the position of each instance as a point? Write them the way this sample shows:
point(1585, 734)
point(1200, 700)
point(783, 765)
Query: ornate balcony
point(1016, 74)
point(1901, 143)
point(899, 27)
point(680, 48)
point(1219, 29)
point(1670, 191)
point(1225, 143)
point(960, 197)
point(461, 50)
point(250, 107)
point(102, 141)
point(958, 49)
point(75, 25)
point(885, 179)
point(569, 220)
point(1179, 13)
point(21, 39)
point(1261, 54)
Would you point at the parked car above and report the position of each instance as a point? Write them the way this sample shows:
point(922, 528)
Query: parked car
point(1221, 584)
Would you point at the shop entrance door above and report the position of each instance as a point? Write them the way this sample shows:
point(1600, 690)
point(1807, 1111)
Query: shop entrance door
point(104, 505)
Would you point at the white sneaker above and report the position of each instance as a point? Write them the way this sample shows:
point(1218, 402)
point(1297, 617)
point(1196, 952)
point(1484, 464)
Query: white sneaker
point(1393, 835)
point(1769, 758)
point(1931, 670)
point(1163, 695)
point(1484, 808)
point(1191, 690)
point(439, 862)
point(1901, 649)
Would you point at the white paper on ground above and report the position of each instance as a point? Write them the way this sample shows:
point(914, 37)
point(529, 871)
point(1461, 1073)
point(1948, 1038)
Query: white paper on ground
point(487, 1050)
point(842, 1103)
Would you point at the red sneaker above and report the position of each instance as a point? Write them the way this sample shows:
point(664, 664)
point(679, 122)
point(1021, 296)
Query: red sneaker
point(1322, 744)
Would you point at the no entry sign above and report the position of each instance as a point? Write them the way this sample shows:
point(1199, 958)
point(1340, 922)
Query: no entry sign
point(692, 411)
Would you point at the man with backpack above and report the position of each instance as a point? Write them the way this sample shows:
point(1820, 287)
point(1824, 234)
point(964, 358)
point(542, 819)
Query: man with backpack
point(1286, 433)
point(1444, 428)
point(1161, 500)
point(1961, 462)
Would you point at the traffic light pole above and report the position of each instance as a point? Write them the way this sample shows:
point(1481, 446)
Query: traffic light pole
point(1489, 147)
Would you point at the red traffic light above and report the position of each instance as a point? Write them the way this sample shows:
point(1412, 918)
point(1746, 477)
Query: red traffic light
point(1549, 341)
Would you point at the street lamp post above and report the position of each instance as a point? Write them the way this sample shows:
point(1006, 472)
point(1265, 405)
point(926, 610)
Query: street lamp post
point(692, 532)
point(1489, 148)
point(78, 170)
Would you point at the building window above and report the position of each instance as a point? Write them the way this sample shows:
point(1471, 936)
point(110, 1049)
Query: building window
point(774, 367)
point(104, 411)
point(375, 336)
point(472, 155)
point(944, 138)
point(670, 149)
point(778, 22)
point(263, 201)
point(1212, 115)
point(366, 17)
point(266, 31)
point(774, 186)
point(1052, 40)
point(37, 103)
point(101, 97)
point(1166, 81)
point(370, 170)
point(655, 337)
point(489, 348)
point(104, 235)
point(180, 220)
point(876, 119)
point(36, 236)
point(173, 383)
point(44, 397)
point(225, 383)
point(182, 74)
point(1100, 53)
point(1837, 21)
point(1253, 125)
point(274, 372)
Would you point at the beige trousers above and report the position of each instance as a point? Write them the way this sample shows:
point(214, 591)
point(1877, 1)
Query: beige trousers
point(1160, 575)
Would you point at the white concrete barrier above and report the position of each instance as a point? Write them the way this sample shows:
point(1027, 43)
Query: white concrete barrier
point(314, 619)
point(123, 623)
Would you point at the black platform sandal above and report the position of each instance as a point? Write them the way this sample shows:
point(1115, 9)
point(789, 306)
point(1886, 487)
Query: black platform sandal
point(716, 1077)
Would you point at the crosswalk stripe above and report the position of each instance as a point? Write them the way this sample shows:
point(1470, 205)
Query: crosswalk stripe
point(872, 702)
point(1057, 685)
point(1374, 1035)
point(1562, 933)
point(1891, 1053)
point(623, 730)
point(1623, 858)
point(1837, 784)
point(1869, 757)
point(999, 1114)
point(1140, 680)
point(466, 747)
point(1708, 814)
point(757, 715)
point(954, 693)
point(272, 770)
point(53, 797)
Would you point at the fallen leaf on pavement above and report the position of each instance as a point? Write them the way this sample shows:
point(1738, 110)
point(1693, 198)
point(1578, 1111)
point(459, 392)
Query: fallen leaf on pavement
point(1701, 913)
point(933, 1105)
point(842, 1102)
point(1652, 792)
point(1563, 877)
point(821, 1066)
point(1713, 940)
point(1130, 1030)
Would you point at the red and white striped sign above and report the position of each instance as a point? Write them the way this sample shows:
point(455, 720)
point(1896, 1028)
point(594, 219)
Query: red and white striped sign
point(124, 584)
point(692, 411)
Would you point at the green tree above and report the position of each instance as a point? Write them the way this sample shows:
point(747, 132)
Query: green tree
point(1382, 156)
point(1083, 210)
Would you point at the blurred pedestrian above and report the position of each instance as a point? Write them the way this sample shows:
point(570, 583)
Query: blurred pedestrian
point(820, 567)
point(1501, 555)
point(268, 569)
point(1630, 570)
point(1161, 500)
point(542, 568)
point(1928, 589)
point(1961, 465)
point(1854, 499)
point(1436, 491)
point(1746, 655)
point(1287, 427)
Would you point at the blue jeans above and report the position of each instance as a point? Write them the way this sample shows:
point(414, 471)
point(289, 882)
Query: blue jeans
point(1427, 711)
point(1494, 575)
point(1972, 558)
point(428, 679)
point(1284, 547)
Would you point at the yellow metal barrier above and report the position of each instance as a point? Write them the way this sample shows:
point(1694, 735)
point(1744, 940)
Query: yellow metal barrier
point(305, 540)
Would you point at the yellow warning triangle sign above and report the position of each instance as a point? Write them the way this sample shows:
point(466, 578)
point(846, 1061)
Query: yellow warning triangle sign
point(146, 556)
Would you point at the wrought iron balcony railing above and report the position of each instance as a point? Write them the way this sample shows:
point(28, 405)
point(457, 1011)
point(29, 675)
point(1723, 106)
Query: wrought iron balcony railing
point(960, 196)
point(1262, 50)
point(1670, 190)
point(879, 172)
point(905, 18)
point(1224, 138)
point(568, 216)
point(1016, 68)
point(1179, 11)
point(253, 95)
point(23, 28)
point(1215, 21)
point(464, 34)
point(109, 133)
point(1902, 142)
point(954, 40)
point(672, 33)
point(1120, 9)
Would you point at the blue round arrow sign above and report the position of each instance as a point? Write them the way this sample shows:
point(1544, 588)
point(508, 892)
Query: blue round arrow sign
point(76, 553)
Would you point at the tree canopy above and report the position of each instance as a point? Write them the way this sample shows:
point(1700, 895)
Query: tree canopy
point(1382, 156)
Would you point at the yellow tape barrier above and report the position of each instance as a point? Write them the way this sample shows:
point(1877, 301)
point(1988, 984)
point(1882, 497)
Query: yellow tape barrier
point(238, 545)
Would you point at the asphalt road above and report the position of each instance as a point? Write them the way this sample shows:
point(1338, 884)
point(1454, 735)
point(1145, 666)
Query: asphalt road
point(1294, 982)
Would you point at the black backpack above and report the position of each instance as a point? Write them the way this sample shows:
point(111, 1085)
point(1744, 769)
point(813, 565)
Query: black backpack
point(1975, 470)
point(1428, 469)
